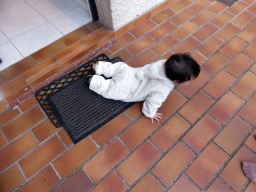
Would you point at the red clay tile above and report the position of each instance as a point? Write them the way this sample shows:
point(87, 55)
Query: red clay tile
point(246, 85)
point(109, 130)
point(40, 157)
point(16, 69)
point(237, 8)
point(169, 132)
point(253, 68)
point(181, 17)
point(98, 38)
point(198, 6)
point(228, 31)
point(243, 19)
point(124, 29)
point(121, 42)
point(194, 108)
point(3, 141)
point(136, 133)
point(135, 111)
point(162, 30)
point(200, 171)
point(27, 120)
point(184, 30)
point(251, 187)
point(232, 174)
point(29, 103)
point(194, 85)
point(124, 54)
point(76, 35)
point(252, 7)
point(249, 1)
point(65, 137)
point(248, 111)
point(173, 102)
point(111, 183)
point(16, 149)
point(138, 162)
point(16, 86)
point(44, 130)
point(233, 134)
point(188, 45)
point(147, 183)
point(3, 106)
point(164, 45)
point(214, 64)
point(218, 185)
point(248, 33)
point(66, 163)
point(106, 159)
point(144, 58)
point(142, 18)
point(170, 166)
point(233, 47)
point(158, 8)
point(251, 141)
point(251, 50)
point(94, 25)
point(226, 107)
point(219, 84)
point(164, 15)
point(142, 28)
point(183, 184)
point(221, 19)
point(203, 17)
point(8, 115)
point(11, 179)
point(210, 46)
point(79, 181)
point(217, 7)
point(44, 180)
point(141, 44)
point(180, 5)
point(205, 32)
point(198, 57)
point(48, 51)
point(201, 133)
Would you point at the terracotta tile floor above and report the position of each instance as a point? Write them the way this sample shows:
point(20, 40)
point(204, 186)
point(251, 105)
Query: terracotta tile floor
point(207, 128)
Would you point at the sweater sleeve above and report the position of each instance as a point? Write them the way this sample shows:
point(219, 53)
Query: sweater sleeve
point(152, 103)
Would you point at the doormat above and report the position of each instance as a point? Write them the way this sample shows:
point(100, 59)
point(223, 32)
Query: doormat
point(228, 2)
point(68, 102)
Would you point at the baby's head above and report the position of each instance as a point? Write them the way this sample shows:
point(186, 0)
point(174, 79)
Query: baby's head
point(181, 68)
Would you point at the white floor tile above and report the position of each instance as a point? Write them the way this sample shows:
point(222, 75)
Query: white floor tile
point(36, 39)
point(8, 7)
point(9, 55)
point(3, 38)
point(50, 9)
point(21, 22)
point(31, 2)
point(71, 20)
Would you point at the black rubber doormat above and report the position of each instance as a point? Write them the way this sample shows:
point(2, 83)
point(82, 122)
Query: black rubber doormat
point(228, 2)
point(68, 102)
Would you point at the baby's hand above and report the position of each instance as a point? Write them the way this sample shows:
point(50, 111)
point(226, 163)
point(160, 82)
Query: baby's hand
point(156, 117)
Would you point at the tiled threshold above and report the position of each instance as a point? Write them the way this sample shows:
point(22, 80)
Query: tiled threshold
point(21, 80)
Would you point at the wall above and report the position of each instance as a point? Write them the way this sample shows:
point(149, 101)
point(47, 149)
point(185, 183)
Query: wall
point(116, 13)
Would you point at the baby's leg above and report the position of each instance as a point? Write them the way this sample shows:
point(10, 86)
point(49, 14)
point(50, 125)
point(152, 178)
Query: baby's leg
point(108, 69)
point(101, 86)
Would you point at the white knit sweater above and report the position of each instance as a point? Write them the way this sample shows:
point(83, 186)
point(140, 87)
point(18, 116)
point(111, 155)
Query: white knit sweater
point(148, 83)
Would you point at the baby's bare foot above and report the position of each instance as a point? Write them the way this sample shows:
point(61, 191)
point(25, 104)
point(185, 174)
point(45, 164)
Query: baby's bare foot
point(249, 169)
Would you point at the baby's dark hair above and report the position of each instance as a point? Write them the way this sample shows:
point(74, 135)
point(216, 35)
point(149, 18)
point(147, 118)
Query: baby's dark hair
point(181, 67)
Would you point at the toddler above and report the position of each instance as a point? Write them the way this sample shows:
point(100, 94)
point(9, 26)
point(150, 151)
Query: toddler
point(151, 83)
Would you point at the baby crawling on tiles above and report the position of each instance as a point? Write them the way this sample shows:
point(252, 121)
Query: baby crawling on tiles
point(151, 83)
